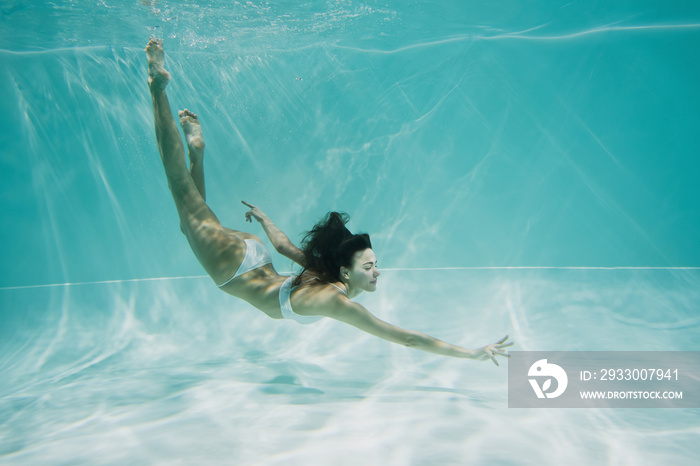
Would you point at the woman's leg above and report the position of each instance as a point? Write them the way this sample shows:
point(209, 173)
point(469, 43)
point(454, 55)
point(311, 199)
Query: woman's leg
point(219, 253)
point(195, 148)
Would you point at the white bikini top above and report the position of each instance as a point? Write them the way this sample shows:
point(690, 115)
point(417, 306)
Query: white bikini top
point(286, 303)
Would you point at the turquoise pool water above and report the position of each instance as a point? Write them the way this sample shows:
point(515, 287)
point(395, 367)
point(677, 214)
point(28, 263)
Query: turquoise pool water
point(523, 167)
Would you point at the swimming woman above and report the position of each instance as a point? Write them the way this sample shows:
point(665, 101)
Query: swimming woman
point(337, 265)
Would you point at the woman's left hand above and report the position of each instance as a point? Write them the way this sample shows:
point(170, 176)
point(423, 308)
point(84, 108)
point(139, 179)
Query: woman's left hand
point(254, 213)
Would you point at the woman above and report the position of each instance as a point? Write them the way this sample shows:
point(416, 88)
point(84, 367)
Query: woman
point(338, 265)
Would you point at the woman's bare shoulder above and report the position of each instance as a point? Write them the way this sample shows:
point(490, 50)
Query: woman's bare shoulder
point(319, 298)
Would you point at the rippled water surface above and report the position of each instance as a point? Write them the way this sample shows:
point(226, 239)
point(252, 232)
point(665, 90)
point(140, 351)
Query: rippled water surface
point(523, 167)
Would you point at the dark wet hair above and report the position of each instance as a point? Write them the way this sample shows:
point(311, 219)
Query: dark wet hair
point(329, 246)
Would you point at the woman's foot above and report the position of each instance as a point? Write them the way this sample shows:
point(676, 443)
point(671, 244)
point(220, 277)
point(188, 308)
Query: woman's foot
point(158, 77)
point(193, 135)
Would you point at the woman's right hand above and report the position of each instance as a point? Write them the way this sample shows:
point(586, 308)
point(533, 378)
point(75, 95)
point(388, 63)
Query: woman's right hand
point(254, 213)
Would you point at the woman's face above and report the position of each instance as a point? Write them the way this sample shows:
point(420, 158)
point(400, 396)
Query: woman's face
point(363, 273)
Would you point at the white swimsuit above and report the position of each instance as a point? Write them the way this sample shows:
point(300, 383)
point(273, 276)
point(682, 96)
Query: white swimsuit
point(256, 255)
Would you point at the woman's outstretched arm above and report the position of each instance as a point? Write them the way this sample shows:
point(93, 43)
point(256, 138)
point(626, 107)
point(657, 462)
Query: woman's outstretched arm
point(279, 240)
point(357, 316)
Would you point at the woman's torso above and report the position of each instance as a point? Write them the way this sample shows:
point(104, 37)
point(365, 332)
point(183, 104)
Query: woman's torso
point(261, 287)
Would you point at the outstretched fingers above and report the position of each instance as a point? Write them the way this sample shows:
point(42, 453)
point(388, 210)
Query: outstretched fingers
point(501, 340)
point(496, 349)
point(499, 345)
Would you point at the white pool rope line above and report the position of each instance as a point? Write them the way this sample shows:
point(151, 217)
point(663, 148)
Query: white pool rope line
point(103, 282)
point(537, 267)
point(398, 269)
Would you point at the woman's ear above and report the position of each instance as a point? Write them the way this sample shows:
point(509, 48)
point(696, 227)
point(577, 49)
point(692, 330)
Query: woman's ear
point(344, 273)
